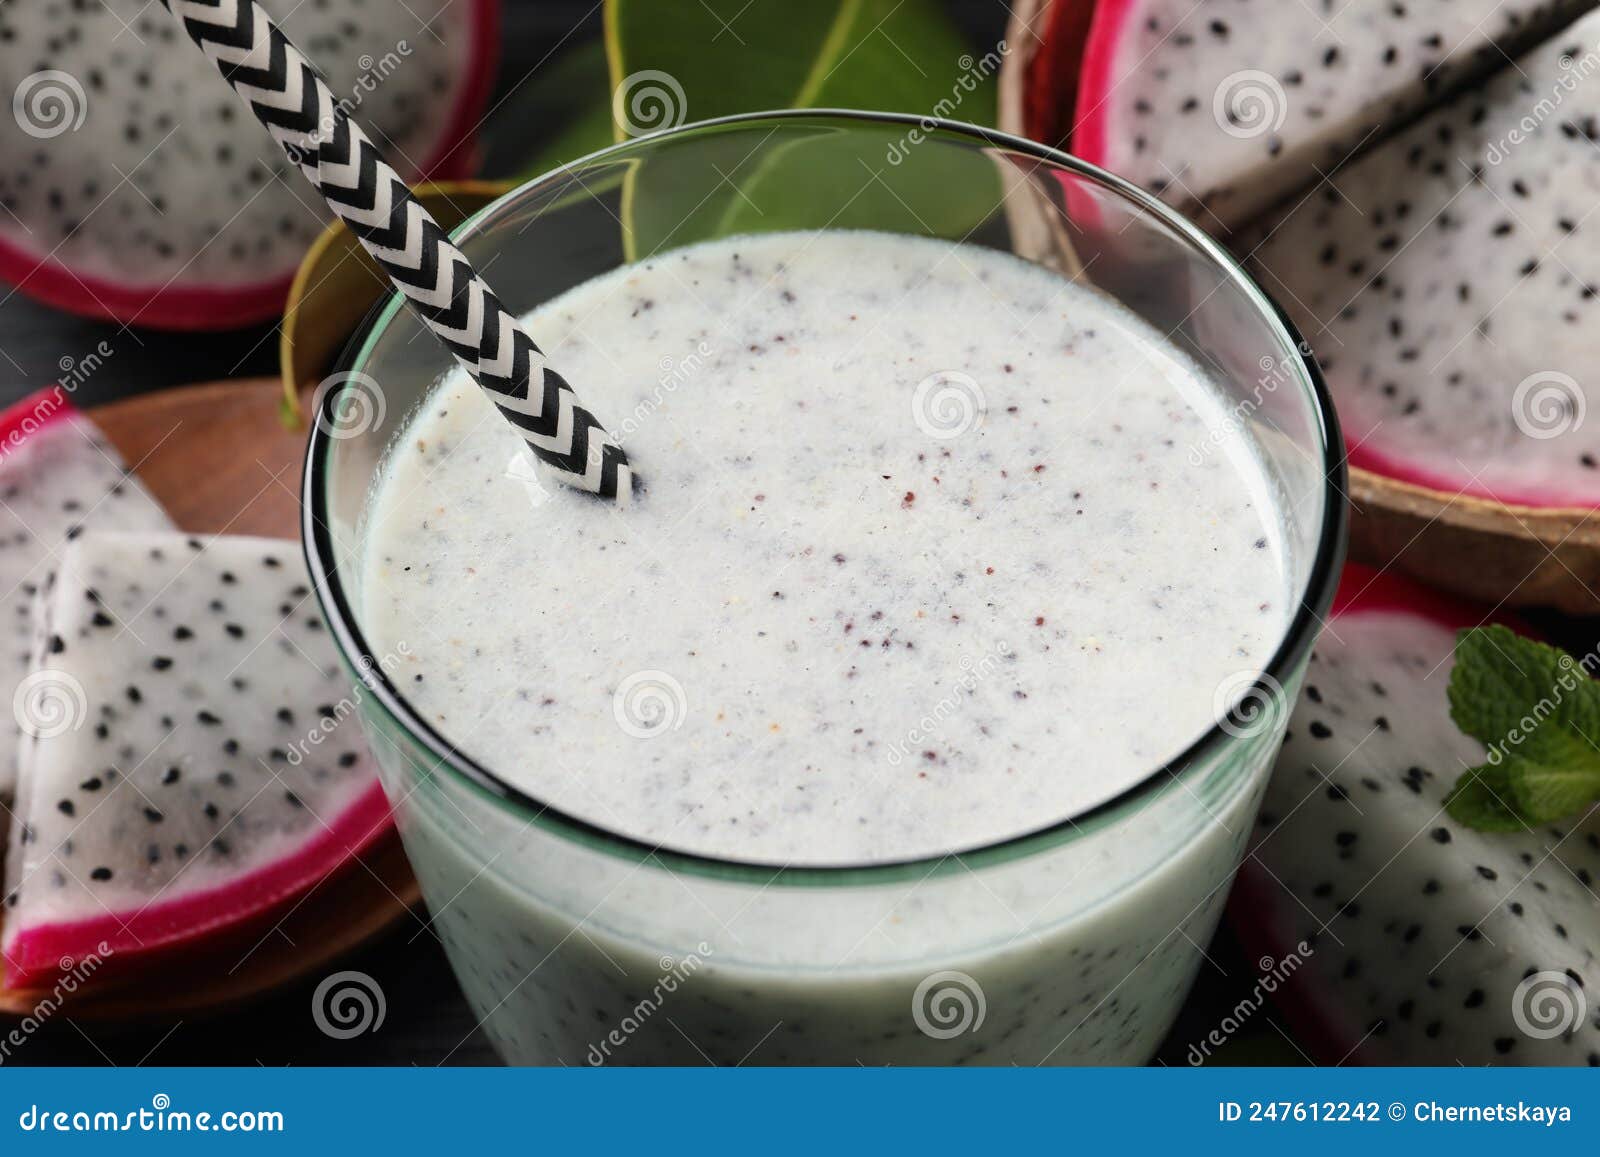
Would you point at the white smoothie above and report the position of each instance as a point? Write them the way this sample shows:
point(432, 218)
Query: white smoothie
point(825, 560)
point(935, 548)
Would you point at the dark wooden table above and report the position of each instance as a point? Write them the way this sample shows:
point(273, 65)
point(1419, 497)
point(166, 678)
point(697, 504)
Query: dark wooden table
point(428, 1022)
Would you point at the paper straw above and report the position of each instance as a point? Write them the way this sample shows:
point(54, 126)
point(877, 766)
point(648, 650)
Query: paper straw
point(341, 162)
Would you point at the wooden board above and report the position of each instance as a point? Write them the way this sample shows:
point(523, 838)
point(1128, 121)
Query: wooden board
point(220, 460)
point(217, 456)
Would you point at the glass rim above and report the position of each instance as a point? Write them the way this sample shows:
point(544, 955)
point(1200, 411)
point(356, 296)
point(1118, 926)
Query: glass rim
point(1296, 642)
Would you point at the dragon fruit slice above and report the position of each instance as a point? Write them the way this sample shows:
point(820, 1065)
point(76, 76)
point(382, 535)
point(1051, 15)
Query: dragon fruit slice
point(138, 188)
point(57, 476)
point(1430, 942)
point(1447, 283)
point(1223, 107)
point(215, 774)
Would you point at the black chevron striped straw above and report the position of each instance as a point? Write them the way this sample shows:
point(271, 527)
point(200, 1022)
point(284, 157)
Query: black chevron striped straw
point(315, 130)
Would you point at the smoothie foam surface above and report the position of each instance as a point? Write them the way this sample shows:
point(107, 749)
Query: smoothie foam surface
point(936, 548)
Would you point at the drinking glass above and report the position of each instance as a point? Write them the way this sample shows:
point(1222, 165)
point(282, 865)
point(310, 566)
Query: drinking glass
point(1074, 943)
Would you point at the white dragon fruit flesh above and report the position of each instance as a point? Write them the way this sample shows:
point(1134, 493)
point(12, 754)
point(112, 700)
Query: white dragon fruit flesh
point(137, 186)
point(1224, 106)
point(208, 772)
point(58, 475)
point(1447, 282)
point(1429, 943)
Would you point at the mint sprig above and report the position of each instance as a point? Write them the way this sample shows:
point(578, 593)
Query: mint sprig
point(1537, 710)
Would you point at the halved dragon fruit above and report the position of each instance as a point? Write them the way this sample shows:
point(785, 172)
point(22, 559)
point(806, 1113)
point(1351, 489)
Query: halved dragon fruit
point(1224, 106)
point(1428, 942)
point(57, 476)
point(1448, 283)
point(214, 773)
point(136, 186)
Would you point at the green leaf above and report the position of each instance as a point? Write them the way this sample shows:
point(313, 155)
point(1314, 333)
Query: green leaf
point(733, 56)
point(1482, 798)
point(1546, 794)
point(588, 133)
point(730, 56)
point(1536, 709)
point(696, 61)
point(710, 187)
point(568, 90)
point(1522, 697)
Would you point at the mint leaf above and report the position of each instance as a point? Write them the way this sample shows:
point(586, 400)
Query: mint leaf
point(1505, 689)
point(1482, 798)
point(1536, 709)
point(1545, 794)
